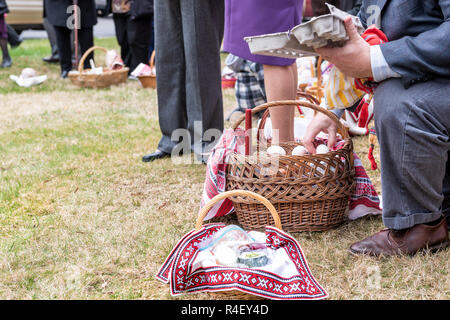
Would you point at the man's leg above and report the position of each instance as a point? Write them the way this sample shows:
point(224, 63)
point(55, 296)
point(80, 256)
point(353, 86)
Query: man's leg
point(139, 32)
point(170, 74)
point(86, 40)
point(446, 191)
point(413, 130)
point(13, 37)
point(120, 24)
point(54, 57)
point(64, 48)
point(203, 26)
point(412, 127)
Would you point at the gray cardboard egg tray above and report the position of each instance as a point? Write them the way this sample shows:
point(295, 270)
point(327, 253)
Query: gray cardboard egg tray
point(301, 40)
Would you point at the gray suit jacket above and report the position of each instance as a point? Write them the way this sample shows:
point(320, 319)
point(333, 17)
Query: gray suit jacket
point(418, 33)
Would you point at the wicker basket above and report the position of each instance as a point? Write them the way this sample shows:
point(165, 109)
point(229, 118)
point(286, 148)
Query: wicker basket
point(237, 194)
point(310, 193)
point(149, 81)
point(103, 80)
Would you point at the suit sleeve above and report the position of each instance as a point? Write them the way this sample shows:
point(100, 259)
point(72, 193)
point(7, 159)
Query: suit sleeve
point(424, 56)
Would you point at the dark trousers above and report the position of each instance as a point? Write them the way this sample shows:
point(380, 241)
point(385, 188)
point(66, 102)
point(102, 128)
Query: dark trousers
point(63, 40)
point(188, 36)
point(413, 128)
point(13, 38)
point(133, 37)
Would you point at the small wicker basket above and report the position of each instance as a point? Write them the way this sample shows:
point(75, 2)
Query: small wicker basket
point(236, 294)
point(228, 83)
point(149, 81)
point(103, 80)
point(310, 192)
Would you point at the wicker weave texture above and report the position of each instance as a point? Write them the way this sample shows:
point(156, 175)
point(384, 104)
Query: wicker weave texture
point(310, 193)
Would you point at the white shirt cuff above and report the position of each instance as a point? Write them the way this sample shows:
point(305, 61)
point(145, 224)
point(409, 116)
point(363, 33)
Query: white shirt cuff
point(380, 68)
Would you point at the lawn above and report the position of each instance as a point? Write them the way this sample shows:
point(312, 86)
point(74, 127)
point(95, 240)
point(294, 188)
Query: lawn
point(82, 217)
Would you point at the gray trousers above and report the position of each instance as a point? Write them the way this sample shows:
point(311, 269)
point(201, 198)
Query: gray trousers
point(51, 36)
point(188, 36)
point(413, 129)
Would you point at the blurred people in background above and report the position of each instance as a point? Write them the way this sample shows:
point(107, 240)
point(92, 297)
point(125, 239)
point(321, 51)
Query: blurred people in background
point(307, 10)
point(152, 37)
point(133, 22)
point(6, 58)
point(188, 37)
point(51, 34)
point(319, 7)
point(61, 17)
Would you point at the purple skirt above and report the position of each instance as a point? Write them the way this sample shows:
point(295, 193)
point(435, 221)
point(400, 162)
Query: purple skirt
point(245, 18)
point(3, 31)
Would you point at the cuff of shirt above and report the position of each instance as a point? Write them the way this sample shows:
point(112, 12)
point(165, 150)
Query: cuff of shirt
point(380, 68)
point(338, 112)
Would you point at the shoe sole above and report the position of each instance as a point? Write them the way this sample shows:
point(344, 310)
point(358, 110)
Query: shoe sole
point(154, 158)
point(432, 249)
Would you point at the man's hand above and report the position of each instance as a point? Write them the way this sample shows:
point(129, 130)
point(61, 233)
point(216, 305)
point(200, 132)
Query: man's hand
point(353, 59)
point(320, 122)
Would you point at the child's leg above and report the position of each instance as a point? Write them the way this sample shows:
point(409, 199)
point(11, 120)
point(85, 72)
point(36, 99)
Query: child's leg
point(281, 84)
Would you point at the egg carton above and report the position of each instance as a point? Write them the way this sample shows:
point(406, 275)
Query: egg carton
point(300, 41)
point(281, 44)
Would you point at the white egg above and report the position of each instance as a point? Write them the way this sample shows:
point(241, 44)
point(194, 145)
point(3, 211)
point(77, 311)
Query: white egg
point(276, 150)
point(321, 148)
point(299, 151)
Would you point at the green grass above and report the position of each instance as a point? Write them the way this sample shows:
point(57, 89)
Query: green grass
point(82, 217)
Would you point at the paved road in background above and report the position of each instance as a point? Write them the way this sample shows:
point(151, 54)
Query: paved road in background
point(103, 29)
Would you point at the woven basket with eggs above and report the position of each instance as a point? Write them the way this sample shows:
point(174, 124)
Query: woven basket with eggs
point(309, 192)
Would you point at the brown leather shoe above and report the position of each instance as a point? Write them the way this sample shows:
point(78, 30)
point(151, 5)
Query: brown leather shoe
point(404, 242)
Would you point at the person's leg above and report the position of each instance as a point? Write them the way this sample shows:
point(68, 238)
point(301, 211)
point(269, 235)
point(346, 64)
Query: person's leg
point(86, 41)
point(151, 47)
point(281, 84)
point(7, 61)
point(203, 27)
point(14, 38)
point(413, 130)
point(446, 192)
point(120, 24)
point(54, 57)
point(412, 127)
point(64, 48)
point(171, 72)
point(139, 32)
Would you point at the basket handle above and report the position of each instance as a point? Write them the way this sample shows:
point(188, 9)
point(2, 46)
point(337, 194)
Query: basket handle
point(85, 55)
point(152, 60)
point(332, 116)
point(204, 211)
point(319, 71)
point(266, 113)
